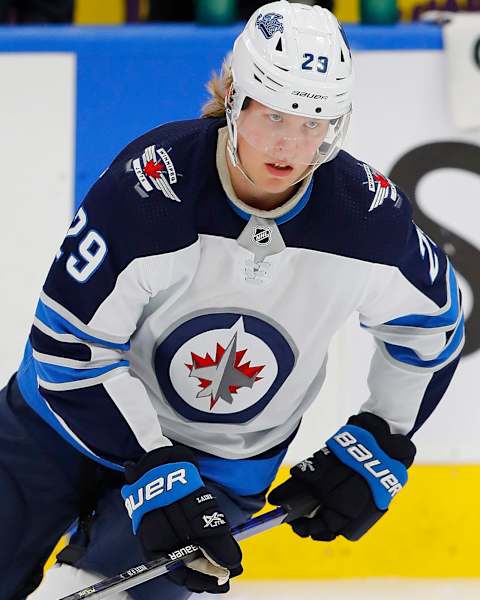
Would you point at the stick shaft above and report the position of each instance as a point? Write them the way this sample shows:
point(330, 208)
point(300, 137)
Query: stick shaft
point(146, 571)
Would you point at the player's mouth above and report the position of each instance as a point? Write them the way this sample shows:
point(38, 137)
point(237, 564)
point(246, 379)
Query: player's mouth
point(279, 169)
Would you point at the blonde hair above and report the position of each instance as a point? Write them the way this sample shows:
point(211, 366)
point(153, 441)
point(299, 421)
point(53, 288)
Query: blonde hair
point(218, 87)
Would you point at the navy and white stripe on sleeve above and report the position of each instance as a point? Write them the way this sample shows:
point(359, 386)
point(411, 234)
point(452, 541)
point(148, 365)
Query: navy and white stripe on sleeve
point(418, 324)
point(117, 254)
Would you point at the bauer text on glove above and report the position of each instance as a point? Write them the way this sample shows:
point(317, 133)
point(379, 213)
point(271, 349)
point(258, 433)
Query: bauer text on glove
point(354, 479)
point(171, 507)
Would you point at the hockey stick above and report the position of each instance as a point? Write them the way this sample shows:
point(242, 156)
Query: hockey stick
point(154, 568)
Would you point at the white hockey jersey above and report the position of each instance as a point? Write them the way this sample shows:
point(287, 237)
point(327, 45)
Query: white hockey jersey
point(175, 313)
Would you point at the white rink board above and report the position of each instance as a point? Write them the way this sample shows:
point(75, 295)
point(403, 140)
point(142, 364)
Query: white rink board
point(37, 125)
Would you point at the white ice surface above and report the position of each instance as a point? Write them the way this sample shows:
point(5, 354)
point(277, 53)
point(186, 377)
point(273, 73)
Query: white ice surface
point(64, 580)
point(357, 589)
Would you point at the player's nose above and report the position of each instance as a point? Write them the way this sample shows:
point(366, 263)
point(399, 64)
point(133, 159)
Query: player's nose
point(284, 148)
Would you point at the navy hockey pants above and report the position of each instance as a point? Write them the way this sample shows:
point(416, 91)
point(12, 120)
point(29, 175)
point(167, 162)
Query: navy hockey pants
point(45, 484)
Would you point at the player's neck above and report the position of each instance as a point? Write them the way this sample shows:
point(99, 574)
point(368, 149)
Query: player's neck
point(254, 196)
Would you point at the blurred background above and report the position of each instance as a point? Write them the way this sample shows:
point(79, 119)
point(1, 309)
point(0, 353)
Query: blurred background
point(80, 79)
point(85, 12)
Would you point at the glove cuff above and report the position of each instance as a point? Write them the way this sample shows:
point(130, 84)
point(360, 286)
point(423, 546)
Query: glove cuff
point(161, 477)
point(357, 448)
point(160, 487)
point(157, 457)
point(396, 445)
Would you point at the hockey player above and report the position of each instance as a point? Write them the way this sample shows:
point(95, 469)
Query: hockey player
point(183, 330)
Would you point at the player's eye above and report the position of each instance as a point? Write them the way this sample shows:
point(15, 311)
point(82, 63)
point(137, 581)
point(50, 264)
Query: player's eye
point(275, 117)
point(311, 124)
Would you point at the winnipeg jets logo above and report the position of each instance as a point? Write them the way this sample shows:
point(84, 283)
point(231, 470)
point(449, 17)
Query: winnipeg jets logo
point(269, 24)
point(426, 248)
point(223, 376)
point(152, 171)
point(223, 367)
point(306, 465)
point(214, 520)
point(381, 186)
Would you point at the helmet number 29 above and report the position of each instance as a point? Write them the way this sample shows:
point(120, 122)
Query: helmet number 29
point(321, 62)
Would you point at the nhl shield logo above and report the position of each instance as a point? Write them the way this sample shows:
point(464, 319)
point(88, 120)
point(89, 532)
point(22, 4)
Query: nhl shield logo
point(262, 235)
point(269, 24)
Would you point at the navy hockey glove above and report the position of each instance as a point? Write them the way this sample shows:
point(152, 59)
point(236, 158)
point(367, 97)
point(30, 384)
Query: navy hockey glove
point(170, 507)
point(354, 478)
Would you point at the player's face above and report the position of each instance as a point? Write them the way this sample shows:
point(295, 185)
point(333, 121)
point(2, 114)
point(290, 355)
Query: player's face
point(276, 148)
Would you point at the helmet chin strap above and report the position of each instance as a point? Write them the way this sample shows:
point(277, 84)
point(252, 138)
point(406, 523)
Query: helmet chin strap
point(232, 153)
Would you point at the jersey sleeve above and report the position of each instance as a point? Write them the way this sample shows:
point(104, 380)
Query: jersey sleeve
point(414, 311)
point(120, 251)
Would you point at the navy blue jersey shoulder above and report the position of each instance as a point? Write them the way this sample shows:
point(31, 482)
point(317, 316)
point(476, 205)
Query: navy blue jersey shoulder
point(185, 154)
point(156, 173)
point(192, 148)
point(143, 205)
point(353, 211)
point(144, 202)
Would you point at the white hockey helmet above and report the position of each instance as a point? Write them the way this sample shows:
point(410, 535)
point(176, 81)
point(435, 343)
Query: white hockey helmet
point(295, 59)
